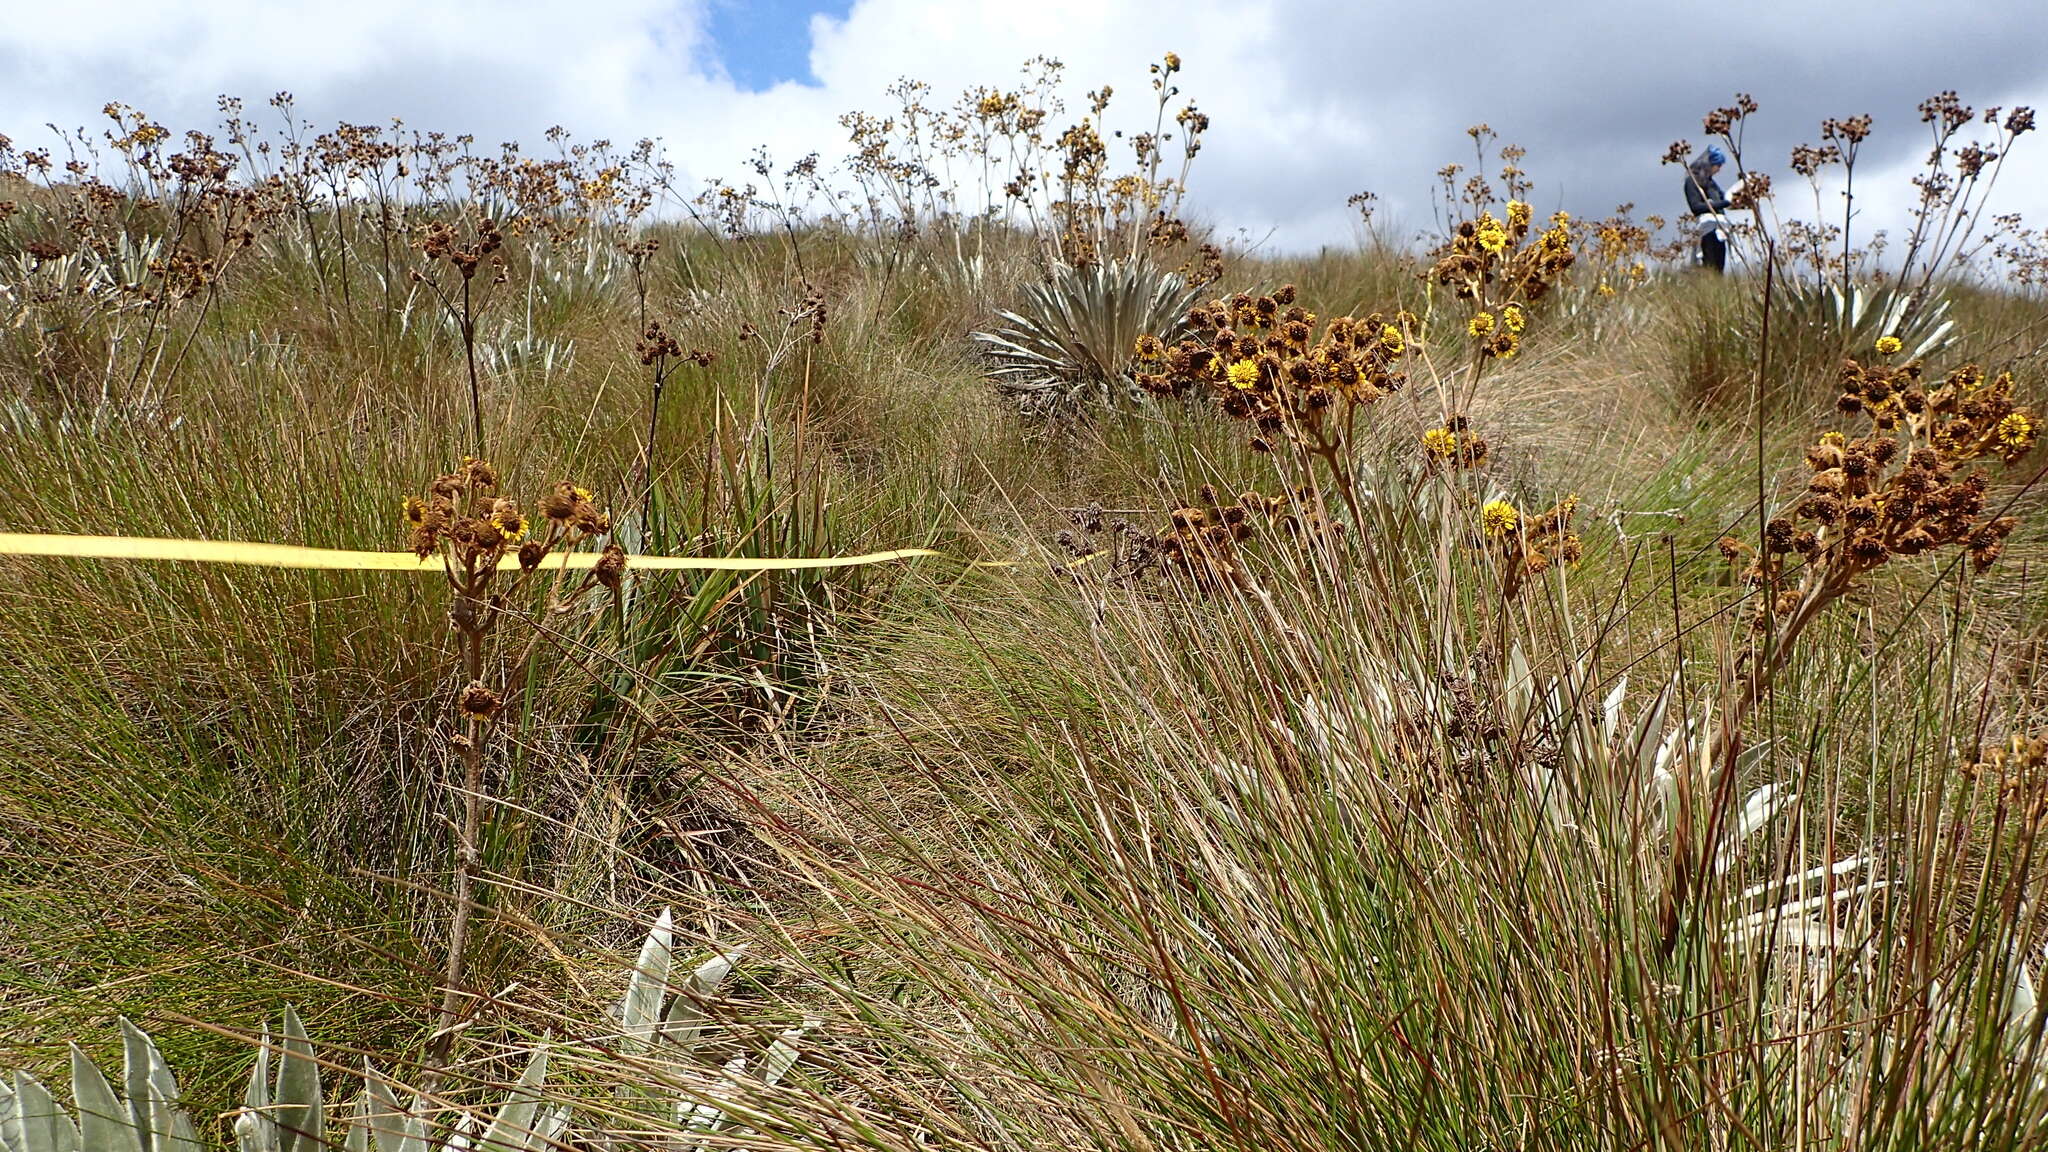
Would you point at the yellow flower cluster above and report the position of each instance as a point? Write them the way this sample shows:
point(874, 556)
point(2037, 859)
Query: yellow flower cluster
point(1454, 445)
point(1491, 236)
point(1274, 363)
point(1501, 268)
point(461, 513)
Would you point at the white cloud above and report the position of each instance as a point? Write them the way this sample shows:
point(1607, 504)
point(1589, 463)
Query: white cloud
point(1310, 101)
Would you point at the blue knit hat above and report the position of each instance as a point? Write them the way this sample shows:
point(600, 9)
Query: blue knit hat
point(1715, 155)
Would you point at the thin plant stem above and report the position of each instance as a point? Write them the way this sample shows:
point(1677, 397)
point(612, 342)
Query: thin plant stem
point(462, 897)
point(476, 403)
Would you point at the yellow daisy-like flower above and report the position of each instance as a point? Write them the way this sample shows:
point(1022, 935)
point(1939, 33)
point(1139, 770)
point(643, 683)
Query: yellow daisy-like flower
point(1514, 318)
point(415, 511)
point(1392, 340)
point(1440, 443)
point(2016, 431)
point(1479, 325)
point(1518, 214)
point(1833, 439)
point(1491, 236)
point(1243, 374)
point(1498, 518)
point(1889, 345)
point(512, 524)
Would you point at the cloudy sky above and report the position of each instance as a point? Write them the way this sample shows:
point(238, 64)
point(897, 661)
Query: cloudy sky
point(1311, 100)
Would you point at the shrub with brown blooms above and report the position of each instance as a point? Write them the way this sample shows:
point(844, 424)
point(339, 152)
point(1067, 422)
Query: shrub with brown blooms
point(476, 529)
point(1900, 490)
point(2019, 771)
point(1497, 263)
point(1201, 542)
point(462, 514)
point(1270, 362)
point(1523, 545)
point(1618, 249)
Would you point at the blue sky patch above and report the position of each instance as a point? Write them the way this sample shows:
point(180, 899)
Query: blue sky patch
point(762, 43)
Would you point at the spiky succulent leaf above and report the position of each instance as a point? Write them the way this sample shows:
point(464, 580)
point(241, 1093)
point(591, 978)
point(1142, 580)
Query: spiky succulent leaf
point(782, 1055)
point(684, 1022)
point(640, 1010)
point(1825, 318)
point(104, 1124)
point(512, 1129)
point(357, 1138)
point(392, 1126)
point(153, 1095)
point(255, 1127)
point(34, 1121)
point(296, 1099)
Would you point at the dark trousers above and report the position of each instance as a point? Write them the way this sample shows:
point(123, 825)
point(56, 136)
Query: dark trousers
point(1713, 251)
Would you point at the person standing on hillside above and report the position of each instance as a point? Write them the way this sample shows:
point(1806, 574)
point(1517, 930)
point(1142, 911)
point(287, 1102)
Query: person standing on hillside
point(1705, 200)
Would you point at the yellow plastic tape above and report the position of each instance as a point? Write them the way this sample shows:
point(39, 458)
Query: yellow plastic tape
point(294, 556)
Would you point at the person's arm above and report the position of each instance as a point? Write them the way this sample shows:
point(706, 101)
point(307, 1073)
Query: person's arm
point(1716, 197)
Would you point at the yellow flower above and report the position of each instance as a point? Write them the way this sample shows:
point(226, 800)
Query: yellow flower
point(1518, 214)
point(1514, 317)
point(512, 523)
point(1506, 345)
point(1498, 518)
point(415, 511)
point(1392, 340)
point(1889, 345)
point(1491, 236)
point(1479, 325)
point(2016, 431)
point(1440, 443)
point(1243, 374)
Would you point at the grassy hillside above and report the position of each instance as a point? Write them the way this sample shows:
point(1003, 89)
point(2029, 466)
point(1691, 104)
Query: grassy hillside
point(1262, 764)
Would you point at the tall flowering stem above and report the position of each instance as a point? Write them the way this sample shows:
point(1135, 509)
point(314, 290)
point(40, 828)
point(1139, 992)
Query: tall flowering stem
point(476, 531)
point(1908, 486)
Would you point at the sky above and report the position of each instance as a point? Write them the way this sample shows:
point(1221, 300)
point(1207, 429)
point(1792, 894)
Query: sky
point(1310, 100)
